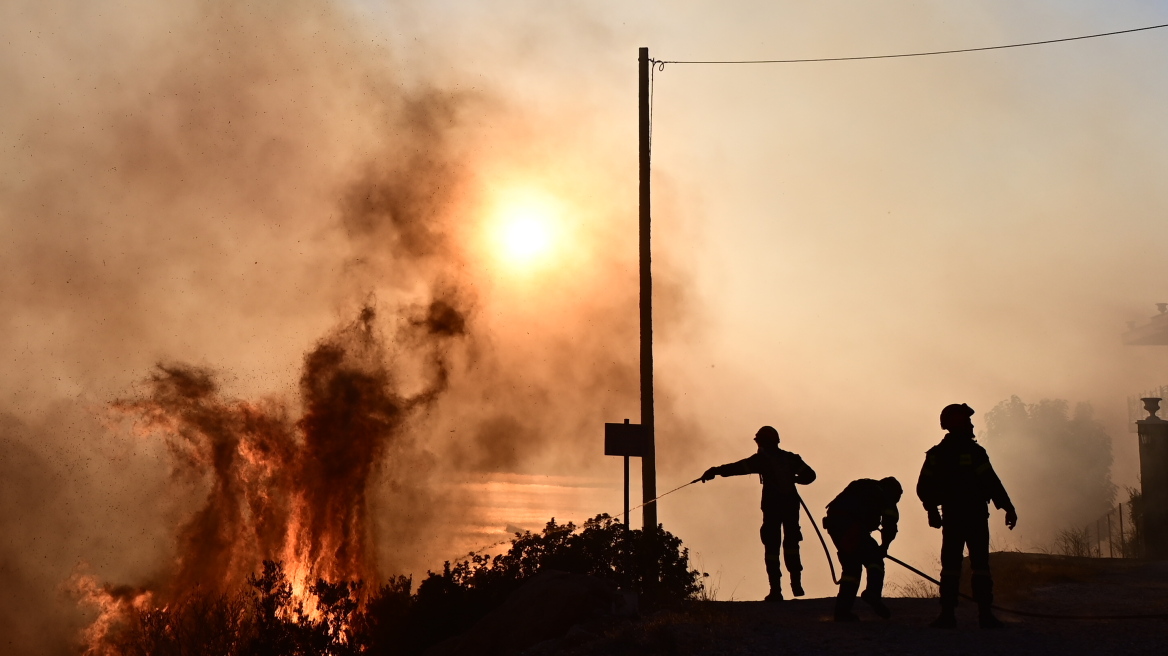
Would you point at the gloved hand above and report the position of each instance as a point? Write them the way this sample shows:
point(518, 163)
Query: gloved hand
point(709, 475)
point(1011, 519)
point(935, 517)
point(884, 550)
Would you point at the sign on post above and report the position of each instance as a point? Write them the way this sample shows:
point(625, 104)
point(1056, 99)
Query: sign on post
point(626, 440)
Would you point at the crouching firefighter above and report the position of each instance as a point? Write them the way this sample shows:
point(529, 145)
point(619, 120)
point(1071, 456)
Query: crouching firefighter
point(957, 477)
point(861, 508)
point(779, 470)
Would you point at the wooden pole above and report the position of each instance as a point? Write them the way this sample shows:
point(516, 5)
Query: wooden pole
point(648, 460)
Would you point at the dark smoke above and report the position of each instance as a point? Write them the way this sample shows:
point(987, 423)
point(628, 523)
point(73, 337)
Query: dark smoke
point(214, 182)
point(284, 489)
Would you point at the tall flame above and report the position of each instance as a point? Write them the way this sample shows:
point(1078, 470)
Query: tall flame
point(291, 491)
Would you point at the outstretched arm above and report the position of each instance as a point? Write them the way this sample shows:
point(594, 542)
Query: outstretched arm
point(740, 468)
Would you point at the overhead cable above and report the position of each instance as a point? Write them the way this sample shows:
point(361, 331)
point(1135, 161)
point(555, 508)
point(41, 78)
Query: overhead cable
point(662, 62)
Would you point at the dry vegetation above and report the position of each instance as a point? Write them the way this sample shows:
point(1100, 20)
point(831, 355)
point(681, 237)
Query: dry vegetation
point(343, 618)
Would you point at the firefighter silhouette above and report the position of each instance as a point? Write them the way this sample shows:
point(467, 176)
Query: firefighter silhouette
point(862, 507)
point(779, 470)
point(956, 485)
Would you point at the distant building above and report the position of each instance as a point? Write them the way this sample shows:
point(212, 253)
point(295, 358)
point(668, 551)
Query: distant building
point(1153, 333)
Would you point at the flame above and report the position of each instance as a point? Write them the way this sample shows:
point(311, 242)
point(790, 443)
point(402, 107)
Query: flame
point(113, 606)
point(292, 491)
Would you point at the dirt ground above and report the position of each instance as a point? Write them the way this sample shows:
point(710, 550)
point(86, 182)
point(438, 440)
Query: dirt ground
point(1028, 582)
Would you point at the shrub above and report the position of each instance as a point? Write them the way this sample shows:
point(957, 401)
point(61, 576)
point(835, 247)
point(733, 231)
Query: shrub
point(652, 564)
point(265, 619)
point(1075, 542)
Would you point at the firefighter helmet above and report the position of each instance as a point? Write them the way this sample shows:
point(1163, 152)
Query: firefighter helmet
point(767, 436)
point(955, 415)
point(892, 485)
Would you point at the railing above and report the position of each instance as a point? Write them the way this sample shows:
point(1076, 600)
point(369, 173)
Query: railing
point(1114, 535)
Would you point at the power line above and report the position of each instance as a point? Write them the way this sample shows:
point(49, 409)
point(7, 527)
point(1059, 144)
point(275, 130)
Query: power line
point(662, 62)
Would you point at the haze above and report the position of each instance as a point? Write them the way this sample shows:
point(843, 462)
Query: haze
point(841, 249)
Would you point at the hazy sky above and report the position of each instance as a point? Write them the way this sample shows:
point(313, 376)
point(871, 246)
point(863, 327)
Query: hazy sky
point(866, 242)
point(842, 248)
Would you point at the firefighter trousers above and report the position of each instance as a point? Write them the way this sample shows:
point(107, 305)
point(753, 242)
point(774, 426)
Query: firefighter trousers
point(959, 531)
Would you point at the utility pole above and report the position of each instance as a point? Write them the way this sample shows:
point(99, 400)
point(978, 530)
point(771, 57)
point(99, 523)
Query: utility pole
point(649, 458)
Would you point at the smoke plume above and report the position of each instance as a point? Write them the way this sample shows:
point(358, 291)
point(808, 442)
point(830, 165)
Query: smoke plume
point(195, 194)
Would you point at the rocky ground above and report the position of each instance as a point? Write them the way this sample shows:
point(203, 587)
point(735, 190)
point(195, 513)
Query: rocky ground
point(1028, 582)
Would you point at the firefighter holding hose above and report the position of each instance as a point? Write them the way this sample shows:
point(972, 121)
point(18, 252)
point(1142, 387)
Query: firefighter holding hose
point(864, 506)
point(780, 471)
point(956, 485)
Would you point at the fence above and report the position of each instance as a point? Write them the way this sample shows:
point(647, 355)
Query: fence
point(1115, 534)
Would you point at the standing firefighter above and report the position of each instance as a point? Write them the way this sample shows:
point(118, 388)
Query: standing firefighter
point(779, 470)
point(861, 508)
point(957, 477)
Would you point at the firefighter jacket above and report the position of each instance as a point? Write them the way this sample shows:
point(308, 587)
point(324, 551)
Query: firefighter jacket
point(779, 470)
point(957, 475)
point(864, 505)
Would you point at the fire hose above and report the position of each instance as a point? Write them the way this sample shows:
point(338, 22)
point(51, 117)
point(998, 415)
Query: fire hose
point(1011, 611)
point(835, 580)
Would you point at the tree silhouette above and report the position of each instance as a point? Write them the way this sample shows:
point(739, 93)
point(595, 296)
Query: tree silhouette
point(1055, 464)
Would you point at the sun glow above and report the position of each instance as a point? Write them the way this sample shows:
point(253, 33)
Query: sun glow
point(524, 228)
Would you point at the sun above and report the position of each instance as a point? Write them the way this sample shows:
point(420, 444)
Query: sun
point(525, 228)
point(525, 236)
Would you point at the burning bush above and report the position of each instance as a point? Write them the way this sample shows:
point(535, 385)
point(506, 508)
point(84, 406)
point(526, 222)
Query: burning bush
point(339, 618)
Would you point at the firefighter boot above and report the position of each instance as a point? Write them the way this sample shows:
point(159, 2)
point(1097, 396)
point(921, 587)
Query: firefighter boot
point(947, 619)
point(874, 600)
point(983, 592)
point(986, 619)
point(872, 593)
point(797, 584)
point(845, 598)
point(791, 560)
point(775, 576)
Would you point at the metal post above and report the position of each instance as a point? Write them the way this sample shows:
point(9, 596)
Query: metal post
point(648, 460)
point(626, 492)
point(1110, 544)
point(1122, 541)
point(625, 440)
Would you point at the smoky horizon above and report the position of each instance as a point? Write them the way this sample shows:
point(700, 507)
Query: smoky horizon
point(354, 285)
